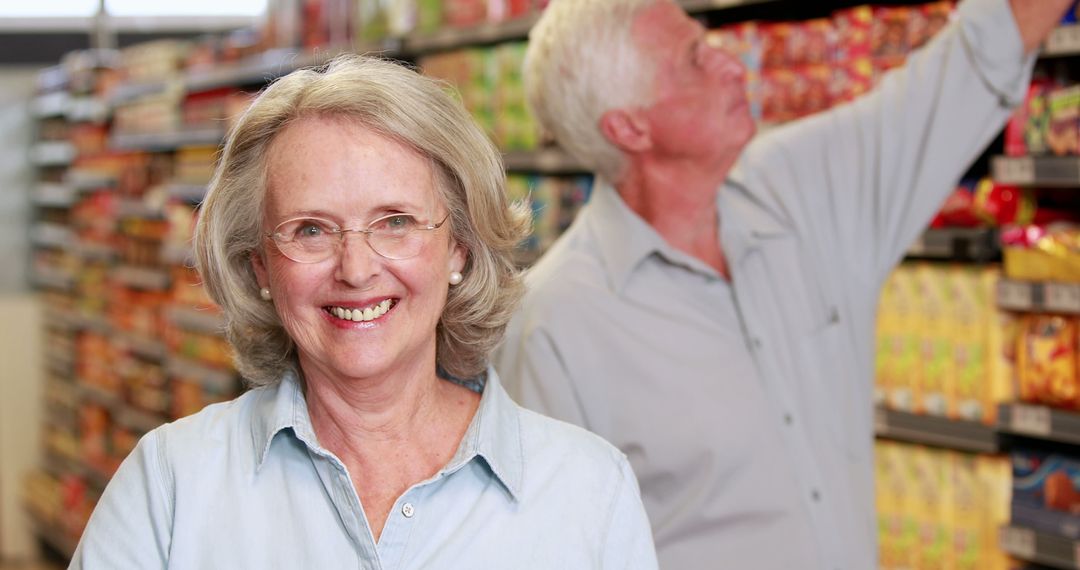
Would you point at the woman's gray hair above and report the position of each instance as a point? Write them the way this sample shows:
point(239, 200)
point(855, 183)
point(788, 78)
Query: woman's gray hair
point(417, 111)
point(582, 62)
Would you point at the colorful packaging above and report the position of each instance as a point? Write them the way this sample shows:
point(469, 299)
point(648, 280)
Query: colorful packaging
point(1047, 361)
point(1063, 132)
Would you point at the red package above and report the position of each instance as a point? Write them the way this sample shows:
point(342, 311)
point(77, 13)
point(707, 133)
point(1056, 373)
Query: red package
point(889, 38)
point(853, 30)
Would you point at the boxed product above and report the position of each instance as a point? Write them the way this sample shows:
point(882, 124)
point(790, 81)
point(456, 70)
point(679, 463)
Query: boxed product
point(1063, 130)
point(936, 341)
point(1046, 492)
point(1047, 361)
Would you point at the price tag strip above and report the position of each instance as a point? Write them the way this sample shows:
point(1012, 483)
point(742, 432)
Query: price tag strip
point(1016, 295)
point(1031, 420)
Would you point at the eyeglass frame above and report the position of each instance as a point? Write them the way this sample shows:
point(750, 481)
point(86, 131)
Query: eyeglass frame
point(340, 232)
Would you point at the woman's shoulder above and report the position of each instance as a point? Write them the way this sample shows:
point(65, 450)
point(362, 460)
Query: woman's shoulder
point(555, 444)
point(214, 429)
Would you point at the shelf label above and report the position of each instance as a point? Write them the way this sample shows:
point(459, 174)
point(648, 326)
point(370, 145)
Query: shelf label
point(1014, 295)
point(881, 421)
point(1063, 40)
point(1062, 297)
point(1014, 170)
point(1032, 420)
point(1020, 542)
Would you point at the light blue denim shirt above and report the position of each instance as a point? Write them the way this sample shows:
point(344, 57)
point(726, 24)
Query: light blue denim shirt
point(745, 406)
point(245, 484)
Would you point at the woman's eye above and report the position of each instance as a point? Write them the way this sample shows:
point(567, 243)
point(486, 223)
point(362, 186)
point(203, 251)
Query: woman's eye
point(402, 222)
point(310, 230)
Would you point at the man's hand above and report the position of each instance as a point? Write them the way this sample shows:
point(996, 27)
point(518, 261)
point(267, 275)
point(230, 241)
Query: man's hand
point(1036, 19)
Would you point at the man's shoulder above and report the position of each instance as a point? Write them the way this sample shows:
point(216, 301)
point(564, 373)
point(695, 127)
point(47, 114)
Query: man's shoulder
point(573, 267)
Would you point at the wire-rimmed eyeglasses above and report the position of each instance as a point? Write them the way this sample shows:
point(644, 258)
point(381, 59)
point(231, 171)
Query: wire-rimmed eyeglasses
point(311, 240)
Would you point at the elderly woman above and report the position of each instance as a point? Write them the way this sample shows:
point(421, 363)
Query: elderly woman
point(357, 237)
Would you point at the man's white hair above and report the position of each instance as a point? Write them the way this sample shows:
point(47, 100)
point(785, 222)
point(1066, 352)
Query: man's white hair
point(582, 62)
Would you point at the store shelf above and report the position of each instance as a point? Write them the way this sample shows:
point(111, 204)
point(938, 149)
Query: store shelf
point(957, 244)
point(100, 396)
point(53, 278)
point(518, 29)
point(81, 180)
point(141, 277)
point(59, 360)
point(52, 153)
point(130, 208)
point(1032, 546)
point(216, 380)
point(48, 234)
point(544, 161)
point(166, 141)
point(138, 420)
point(936, 431)
point(87, 109)
point(59, 463)
point(191, 193)
point(55, 538)
point(694, 6)
point(1063, 41)
point(128, 92)
point(91, 251)
point(142, 345)
point(93, 323)
point(178, 254)
point(1038, 296)
point(1039, 422)
point(195, 320)
point(52, 195)
point(455, 38)
point(53, 104)
point(257, 70)
point(1044, 171)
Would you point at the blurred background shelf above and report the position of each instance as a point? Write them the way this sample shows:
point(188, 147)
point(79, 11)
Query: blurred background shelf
point(1040, 422)
point(1043, 171)
point(1042, 548)
point(937, 431)
point(1038, 296)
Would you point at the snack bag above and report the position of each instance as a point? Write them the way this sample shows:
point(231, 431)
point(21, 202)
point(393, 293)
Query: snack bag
point(1047, 361)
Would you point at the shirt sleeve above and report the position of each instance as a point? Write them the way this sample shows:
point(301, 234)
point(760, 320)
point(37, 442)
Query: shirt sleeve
point(864, 179)
point(131, 526)
point(629, 542)
point(536, 377)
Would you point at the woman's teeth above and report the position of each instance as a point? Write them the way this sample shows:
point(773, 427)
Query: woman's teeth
point(361, 315)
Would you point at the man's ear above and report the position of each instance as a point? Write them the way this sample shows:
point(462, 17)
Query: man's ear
point(626, 129)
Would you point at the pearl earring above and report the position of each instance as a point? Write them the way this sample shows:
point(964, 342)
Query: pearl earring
point(455, 277)
point(265, 293)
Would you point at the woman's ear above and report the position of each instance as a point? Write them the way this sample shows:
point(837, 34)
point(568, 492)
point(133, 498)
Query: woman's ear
point(458, 256)
point(626, 129)
point(259, 266)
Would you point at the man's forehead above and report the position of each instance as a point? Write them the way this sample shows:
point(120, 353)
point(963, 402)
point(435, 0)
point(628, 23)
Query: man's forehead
point(661, 20)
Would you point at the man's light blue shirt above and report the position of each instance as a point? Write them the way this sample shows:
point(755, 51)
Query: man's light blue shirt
point(245, 484)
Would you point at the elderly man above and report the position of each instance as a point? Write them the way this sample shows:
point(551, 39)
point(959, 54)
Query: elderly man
point(711, 311)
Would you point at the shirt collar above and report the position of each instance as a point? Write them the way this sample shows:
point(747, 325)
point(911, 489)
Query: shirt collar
point(494, 433)
point(625, 239)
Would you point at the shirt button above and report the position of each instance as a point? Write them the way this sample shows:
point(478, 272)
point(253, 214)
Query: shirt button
point(756, 343)
point(408, 510)
point(788, 419)
point(815, 495)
